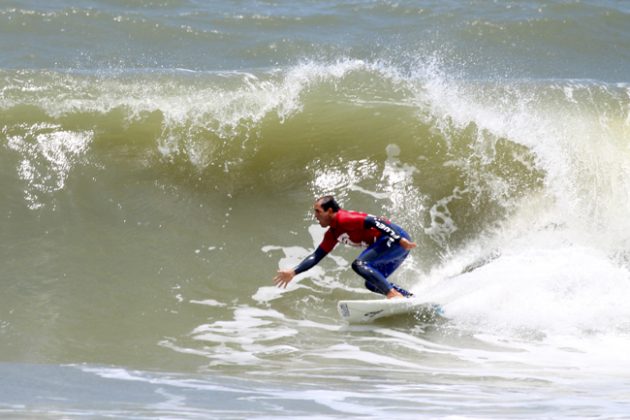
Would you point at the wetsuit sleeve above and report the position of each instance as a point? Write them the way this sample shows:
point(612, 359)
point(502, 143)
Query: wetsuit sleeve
point(329, 242)
point(310, 261)
point(382, 226)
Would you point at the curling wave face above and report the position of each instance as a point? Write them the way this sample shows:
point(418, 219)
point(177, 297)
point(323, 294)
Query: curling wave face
point(158, 162)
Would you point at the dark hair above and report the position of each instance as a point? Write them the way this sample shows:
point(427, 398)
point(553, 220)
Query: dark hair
point(329, 202)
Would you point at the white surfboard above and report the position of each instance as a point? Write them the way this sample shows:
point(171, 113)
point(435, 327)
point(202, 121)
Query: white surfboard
point(363, 311)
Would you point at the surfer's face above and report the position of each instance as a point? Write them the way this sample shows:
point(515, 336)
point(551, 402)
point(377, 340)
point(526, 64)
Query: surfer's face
point(324, 217)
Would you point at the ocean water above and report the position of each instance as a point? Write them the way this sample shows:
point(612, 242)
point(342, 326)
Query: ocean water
point(158, 164)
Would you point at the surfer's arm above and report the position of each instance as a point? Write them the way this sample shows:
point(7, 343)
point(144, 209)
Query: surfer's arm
point(310, 261)
point(285, 276)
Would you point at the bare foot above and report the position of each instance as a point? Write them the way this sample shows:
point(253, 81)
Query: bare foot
point(394, 294)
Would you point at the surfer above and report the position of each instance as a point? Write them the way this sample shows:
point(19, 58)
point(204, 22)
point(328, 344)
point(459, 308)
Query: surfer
point(387, 246)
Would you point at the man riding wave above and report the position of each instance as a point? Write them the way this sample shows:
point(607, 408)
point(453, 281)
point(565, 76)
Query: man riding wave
point(387, 246)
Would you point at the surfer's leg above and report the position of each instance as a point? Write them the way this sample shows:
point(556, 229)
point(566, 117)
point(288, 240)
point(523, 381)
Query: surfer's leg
point(402, 291)
point(374, 281)
point(372, 288)
point(377, 263)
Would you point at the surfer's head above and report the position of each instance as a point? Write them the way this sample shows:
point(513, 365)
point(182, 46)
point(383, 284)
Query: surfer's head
point(325, 209)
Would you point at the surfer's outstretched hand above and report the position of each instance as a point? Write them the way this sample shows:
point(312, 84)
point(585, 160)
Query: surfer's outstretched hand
point(283, 277)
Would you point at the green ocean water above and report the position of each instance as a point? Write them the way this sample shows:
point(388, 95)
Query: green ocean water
point(159, 161)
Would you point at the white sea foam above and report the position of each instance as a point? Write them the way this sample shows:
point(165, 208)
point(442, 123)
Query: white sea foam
point(208, 302)
point(47, 155)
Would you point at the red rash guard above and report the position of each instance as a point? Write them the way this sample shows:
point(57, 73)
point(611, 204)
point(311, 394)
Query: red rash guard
point(352, 228)
point(348, 227)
